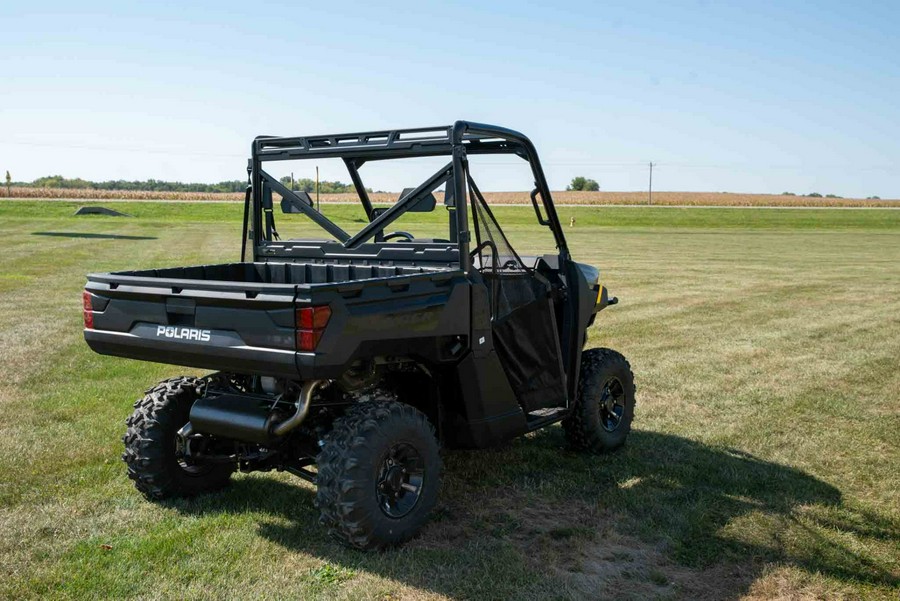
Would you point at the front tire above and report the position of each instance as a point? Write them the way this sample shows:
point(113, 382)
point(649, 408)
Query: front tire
point(604, 403)
point(378, 475)
point(151, 443)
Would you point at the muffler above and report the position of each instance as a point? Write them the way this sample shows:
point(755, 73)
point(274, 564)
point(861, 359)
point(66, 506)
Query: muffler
point(238, 417)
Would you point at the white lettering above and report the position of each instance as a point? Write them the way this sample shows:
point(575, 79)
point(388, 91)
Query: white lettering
point(184, 333)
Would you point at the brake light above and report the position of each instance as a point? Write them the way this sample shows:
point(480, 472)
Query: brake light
point(313, 318)
point(311, 322)
point(88, 310)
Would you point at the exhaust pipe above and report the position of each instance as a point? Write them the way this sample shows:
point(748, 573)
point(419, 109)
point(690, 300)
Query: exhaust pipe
point(303, 402)
point(237, 417)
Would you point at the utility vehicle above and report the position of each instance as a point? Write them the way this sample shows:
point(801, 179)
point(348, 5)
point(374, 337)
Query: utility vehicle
point(351, 359)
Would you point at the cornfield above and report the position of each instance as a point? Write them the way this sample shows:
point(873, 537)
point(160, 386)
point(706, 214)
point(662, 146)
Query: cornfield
point(699, 199)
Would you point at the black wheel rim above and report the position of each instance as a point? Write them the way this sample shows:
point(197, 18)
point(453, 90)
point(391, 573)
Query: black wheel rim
point(400, 479)
point(612, 404)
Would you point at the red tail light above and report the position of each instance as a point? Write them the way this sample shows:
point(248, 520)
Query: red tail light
point(311, 322)
point(88, 310)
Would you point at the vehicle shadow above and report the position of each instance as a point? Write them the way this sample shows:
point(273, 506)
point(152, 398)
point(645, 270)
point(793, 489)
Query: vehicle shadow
point(664, 516)
point(93, 236)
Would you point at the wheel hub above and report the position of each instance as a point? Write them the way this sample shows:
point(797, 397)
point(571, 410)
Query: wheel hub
point(612, 404)
point(394, 479)
point(400, 480)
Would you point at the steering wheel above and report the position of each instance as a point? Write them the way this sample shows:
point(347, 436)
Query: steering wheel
point(399, 234)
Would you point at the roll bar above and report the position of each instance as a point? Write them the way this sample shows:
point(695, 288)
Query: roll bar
point(457, 140)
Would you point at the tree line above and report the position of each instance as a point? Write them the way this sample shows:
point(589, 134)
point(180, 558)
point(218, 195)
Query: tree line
point(325, 186)
point(158, 185)
point(149, 185)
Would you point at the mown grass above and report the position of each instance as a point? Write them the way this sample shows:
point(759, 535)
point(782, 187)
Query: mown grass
point(764, 461)
point(162, 214)
point(561, 197)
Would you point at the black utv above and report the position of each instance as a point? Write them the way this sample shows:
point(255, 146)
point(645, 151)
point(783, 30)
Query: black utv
point(351, 359)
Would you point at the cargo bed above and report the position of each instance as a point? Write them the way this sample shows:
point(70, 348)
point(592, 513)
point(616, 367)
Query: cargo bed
point(274, 273)
point(240, 316)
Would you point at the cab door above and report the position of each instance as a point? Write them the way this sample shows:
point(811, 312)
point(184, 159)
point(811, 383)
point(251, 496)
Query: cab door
point(524, 324)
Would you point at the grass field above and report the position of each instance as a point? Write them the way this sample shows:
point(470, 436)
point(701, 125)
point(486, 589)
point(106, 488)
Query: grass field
point(711, 199)
point(764, 461)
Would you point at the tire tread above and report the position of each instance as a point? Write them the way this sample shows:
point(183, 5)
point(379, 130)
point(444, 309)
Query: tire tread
point(340, 497)
point(146, 440)
point(581, 427)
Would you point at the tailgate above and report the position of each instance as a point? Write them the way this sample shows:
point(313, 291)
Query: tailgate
point(232, 326)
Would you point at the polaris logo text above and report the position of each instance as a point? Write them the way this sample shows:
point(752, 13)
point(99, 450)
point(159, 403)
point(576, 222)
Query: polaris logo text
point(183, 333)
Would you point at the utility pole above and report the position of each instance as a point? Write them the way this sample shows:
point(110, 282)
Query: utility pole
point(650, 189)
point(317, 188)
point(8, 181)
point(292, 181)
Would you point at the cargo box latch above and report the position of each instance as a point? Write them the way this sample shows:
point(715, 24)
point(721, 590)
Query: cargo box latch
point(180, 311)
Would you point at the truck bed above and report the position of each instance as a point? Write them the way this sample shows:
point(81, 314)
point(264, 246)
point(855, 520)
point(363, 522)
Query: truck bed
point(276, 273)
point(241, 316)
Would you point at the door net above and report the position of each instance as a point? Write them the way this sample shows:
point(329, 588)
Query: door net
point(523, 320)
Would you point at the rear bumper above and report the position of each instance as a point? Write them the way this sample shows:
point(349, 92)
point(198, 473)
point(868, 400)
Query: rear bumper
point(240, 359)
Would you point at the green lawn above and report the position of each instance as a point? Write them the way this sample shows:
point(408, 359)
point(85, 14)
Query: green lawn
point(764, 461)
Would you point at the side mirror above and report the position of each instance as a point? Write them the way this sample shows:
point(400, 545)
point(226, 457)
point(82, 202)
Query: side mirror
point(290, 204)
point(425, 205)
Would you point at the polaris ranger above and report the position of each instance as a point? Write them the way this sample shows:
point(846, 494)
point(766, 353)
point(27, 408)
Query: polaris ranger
point(351, 359)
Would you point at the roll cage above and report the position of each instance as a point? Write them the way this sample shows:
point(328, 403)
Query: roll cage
point(355, 149)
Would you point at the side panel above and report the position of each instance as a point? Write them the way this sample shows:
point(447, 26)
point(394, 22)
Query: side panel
point(484, 411)
point(487, 412)
point(423, 318)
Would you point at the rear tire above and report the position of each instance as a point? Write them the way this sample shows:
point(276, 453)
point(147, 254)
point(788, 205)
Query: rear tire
point(150, 444)
point(604, 403)
point(378, 475)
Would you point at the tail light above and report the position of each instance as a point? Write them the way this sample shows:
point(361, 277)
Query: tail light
point(311, 322)
point(88, 310)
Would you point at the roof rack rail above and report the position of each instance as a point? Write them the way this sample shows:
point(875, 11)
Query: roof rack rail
point(372, 145)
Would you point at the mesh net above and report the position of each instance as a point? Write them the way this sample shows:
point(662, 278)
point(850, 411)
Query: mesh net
point(512, 284)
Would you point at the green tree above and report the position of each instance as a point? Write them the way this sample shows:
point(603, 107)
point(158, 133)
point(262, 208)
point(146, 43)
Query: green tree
point(8, 182)
point(583, 184)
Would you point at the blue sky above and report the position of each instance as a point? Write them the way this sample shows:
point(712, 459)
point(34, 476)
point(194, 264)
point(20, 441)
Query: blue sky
point(741, 97)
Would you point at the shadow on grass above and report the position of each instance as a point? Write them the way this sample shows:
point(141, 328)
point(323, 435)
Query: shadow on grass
point(514, 519)
point(92, 236)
